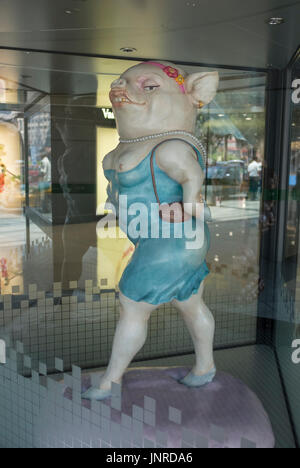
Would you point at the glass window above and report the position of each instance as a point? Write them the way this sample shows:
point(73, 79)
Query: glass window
point(233, 130)
point(63, 137)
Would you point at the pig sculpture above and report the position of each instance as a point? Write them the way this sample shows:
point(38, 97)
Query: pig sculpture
point(160, 162)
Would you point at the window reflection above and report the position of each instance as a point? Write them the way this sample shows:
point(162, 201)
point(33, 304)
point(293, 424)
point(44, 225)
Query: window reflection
point(11, 202)
point(233, 130)
point(39, 161)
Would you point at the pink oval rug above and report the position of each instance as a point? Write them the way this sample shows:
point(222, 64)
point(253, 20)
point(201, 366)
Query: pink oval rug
point(226, 412)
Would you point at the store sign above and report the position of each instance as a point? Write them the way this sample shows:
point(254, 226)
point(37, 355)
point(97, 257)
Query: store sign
point(108, 114)
point(2, 352)
point(106, 118)
point(296, 353)
point(296, 93)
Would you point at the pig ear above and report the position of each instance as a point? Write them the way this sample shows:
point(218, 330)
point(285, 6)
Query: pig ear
point(202, 87)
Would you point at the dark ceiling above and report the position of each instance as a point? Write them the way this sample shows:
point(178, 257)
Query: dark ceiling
point(224, 32)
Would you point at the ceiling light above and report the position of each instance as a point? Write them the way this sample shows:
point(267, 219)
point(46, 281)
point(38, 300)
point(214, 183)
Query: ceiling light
point(275, 21)
point(71, 12)
point(128, 50)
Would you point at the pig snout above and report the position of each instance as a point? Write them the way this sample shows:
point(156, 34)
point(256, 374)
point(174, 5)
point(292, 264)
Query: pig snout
point(119, 83)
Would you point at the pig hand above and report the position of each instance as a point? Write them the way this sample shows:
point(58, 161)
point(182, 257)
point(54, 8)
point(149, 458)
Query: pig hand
point(177, 159)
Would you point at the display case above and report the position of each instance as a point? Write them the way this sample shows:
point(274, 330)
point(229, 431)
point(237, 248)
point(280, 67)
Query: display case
point(58, 328)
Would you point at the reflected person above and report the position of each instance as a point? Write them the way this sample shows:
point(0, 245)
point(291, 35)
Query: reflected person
point(76, 169)
point(254, 171)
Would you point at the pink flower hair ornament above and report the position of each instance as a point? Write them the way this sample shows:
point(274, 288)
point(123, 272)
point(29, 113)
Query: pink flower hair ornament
point(172, 73)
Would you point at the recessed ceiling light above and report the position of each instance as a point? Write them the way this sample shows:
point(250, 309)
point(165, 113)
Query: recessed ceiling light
point(275, 21)
point(128, 50)
point(71, 12)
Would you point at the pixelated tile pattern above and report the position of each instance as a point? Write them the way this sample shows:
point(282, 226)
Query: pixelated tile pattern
point(27, 362)
point(149, 404)
point(137, 413)
point(201, 442)
point(62, 332)
point(247, 444)
point(116, 400)
point(175, 415)
point(35, 414)
point(217, 434)
point(78, 327)
point(59, 365)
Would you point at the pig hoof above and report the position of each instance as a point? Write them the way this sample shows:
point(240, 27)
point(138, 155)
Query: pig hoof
point(193, 381)
point(96, 394)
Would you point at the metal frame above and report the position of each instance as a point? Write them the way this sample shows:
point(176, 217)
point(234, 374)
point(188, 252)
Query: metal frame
point(134, 59)
point(282, 105)
point(269, 239)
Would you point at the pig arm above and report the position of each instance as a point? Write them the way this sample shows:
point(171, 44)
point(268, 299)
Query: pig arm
point(108, 161)
point(178, 161)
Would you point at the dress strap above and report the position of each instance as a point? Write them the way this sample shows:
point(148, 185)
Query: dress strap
point(152, 161)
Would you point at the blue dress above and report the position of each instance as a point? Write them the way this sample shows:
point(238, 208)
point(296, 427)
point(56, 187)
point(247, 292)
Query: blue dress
point(161, 269)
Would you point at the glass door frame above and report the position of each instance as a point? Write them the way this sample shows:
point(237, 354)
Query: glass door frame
point(277, 301)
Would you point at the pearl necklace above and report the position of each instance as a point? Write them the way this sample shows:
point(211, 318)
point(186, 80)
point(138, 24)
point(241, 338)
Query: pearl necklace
point(170, 133)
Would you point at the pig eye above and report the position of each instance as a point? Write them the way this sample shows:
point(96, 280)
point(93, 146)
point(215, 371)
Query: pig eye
point(151, 88)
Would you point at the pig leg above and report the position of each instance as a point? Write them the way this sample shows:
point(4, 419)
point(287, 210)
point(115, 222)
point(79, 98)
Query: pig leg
point(130, 337)
point(201, 325)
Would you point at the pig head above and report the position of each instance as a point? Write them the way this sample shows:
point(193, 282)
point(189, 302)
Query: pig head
point(150, 98)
